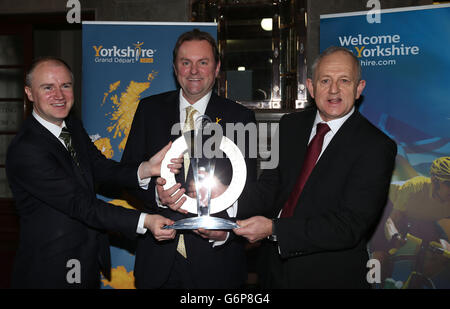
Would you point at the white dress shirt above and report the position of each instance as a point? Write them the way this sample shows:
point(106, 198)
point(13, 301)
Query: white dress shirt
point(200, 106)
point(334, 125)
point(53, 128)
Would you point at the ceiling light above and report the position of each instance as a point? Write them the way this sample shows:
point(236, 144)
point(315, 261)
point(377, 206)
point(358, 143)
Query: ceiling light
point(266, 24)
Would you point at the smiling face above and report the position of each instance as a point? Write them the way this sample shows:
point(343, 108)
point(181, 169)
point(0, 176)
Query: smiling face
point(335, 86)
point(195, 69)
point(51, 91)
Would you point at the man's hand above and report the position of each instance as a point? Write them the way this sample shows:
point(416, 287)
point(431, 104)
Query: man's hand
point(216, 235)
point(152, 167)
point(155, 224)
point(392, 234)
point(171, 197)
point(254, 228)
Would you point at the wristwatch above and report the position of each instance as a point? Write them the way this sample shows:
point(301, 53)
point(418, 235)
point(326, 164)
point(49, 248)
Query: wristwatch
point(273, 237)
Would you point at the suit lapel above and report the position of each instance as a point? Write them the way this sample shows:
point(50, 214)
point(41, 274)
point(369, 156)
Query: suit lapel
point(339, 142)
point(215, 109)
point(83, 171)
point(53, 144)
point(297, 149)
point(172, 110)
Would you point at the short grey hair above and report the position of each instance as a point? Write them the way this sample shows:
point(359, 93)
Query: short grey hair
point(334, 49)
point(38, 61)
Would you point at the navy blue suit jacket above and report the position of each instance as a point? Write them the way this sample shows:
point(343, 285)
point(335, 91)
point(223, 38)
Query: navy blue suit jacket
point(218, 267)
point(323, 245)
point(60, 217)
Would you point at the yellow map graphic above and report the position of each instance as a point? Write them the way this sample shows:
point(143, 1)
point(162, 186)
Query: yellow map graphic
point(112, 87)
point(104, 145)
point(121, 203)
point(125, 107)
point(121, 118)
point(120, 279)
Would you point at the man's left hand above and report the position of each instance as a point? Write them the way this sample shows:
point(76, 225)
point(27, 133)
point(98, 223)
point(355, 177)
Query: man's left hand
point(155, 224)
point(152, 167)
point(254, 228)
point(215, 235)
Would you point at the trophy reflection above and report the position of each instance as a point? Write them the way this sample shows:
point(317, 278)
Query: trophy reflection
point(204, 184)
point(204, 180)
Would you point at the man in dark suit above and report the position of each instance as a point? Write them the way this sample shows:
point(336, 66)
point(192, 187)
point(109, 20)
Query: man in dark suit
point(322, 223)
point(199, 258)
point(52, 167)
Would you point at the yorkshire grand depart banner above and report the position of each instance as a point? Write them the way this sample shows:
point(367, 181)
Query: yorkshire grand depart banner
point(405, 58)
point(124, 62)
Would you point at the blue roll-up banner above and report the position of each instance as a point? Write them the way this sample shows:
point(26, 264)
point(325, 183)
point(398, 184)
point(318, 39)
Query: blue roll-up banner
point(405, 59)
point(124, 62)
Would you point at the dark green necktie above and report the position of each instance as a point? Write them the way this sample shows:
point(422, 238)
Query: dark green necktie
point(67, 139)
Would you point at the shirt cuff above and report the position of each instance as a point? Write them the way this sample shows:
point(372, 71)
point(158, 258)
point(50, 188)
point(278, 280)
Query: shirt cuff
point(143, 183)
point(231, 211)
point(158, 202)
point(217, 243)
point(140, 227)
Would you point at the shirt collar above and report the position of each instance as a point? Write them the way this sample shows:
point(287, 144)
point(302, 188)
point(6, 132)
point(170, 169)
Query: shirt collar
point(200, 105)
point(53, 128)
point(334, 124)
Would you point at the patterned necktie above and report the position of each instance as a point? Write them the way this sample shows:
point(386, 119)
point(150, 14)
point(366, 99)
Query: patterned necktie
point(312, 154)
point(67, 139)
point(189, 125)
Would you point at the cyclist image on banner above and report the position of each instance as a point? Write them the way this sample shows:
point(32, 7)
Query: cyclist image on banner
point(414, 251)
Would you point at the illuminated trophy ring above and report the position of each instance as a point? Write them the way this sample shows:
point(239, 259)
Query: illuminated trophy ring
point(231, 194)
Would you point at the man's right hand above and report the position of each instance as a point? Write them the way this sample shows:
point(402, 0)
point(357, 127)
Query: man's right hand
point(155, 224)
point(172, 197)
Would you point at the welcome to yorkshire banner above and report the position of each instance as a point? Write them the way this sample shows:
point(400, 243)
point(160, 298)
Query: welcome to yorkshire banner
point(124, 62)
point(405, 60)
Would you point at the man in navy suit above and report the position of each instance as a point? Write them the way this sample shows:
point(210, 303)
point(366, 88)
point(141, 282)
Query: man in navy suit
point(322, 230)
point(199, 258)
point(52, 167)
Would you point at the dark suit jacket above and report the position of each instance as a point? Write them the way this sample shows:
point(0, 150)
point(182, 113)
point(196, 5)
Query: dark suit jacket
point(59, 212)
point(219, 267)
point(323, 245)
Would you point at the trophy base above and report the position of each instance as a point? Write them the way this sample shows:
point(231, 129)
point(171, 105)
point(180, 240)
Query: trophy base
point(203, 222)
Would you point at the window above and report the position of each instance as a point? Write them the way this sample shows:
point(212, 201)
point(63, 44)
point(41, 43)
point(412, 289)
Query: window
point(14, 57)
point(262, 45)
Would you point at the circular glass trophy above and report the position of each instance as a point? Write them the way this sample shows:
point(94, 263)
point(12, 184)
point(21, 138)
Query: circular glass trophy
point(203, 176)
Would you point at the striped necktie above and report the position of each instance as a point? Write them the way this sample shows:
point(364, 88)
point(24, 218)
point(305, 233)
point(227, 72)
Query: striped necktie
point(66, 137)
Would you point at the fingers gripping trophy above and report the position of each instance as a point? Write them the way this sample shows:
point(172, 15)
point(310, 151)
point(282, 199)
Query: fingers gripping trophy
point(205, 145)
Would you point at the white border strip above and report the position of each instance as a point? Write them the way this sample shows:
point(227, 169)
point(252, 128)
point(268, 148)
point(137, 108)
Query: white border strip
point(146, 23)
point(405, 9)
